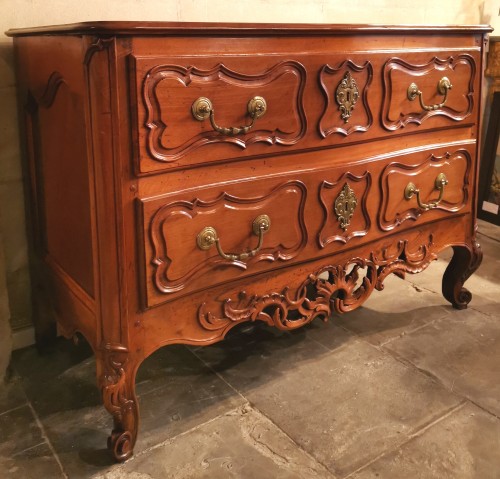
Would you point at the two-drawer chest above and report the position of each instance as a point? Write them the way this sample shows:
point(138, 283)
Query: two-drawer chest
point(186, 178)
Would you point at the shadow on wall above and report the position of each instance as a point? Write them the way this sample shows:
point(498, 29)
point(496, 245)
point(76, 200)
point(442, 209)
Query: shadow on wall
point(15, 303)
point(5, 332)
point(15, 273)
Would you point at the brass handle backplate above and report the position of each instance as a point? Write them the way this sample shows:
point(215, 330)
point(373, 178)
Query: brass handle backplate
point(444, 85)
point(439, 184)
point(202, 109)
point(207, 237)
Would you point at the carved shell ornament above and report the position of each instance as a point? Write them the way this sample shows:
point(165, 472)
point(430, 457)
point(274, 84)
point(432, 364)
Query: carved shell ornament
point(347, 95)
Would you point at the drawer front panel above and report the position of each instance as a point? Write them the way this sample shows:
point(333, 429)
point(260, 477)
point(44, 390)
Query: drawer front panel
point(312, 214)
point(427, 98)
point(400, 204)
point(178, 226)
point(313, 101)
point(174, 135)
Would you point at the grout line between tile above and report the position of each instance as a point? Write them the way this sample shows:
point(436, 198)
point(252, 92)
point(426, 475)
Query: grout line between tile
point(44, 435)
point(340, 347)
point(14, 409)
point(29, 448)
point(417, 328)
point(409, 438)
point(482, 408)
point(216, 373)
point(488, 236)
point(170, 439)
point(409, 364)
point(310, 456)
point(488, 315)
point(436, 379)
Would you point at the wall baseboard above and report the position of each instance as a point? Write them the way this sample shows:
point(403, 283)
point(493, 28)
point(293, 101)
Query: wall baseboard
point(22, 338)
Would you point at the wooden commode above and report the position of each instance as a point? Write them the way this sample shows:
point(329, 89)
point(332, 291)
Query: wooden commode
point(185, 178)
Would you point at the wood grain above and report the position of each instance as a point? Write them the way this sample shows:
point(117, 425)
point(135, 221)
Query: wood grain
point(122, 178)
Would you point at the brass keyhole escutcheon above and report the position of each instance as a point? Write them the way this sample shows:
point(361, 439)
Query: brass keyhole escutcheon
point(345, 204)
point(347, 95)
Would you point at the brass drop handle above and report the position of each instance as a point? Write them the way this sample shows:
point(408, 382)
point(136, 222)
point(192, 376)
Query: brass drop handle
point(207, 237)
point(444, 85)
point(440, 182)
point(202, 109)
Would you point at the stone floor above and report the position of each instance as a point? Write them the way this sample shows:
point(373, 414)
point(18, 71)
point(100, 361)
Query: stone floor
point(405, 387)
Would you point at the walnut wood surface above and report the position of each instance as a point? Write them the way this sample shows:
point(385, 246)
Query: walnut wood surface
point(247, 29)
point(122, 178)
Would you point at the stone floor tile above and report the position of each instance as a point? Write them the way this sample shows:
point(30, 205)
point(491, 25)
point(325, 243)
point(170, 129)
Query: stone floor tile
point(464, 445)
point(178, 396)
point(489, 308)
point(11, 394)
point(176, 392)
point(18, 431)
point(257, 356)
point(488, 229)
point(462, 352)
point(344, 406)
point(395, 311)
point(240, 444)
point(36, 462)
point(330, 334)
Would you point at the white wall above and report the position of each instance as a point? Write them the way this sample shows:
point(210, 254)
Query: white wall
point(38, 12)
point(24, 13)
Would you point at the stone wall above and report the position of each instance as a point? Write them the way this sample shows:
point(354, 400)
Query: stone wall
point(14, 277)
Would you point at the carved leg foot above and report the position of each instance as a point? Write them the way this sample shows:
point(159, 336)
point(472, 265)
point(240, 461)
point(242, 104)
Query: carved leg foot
point(464, 262)
point(116, 373)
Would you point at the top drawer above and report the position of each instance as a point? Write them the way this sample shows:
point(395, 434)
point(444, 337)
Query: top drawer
point(192, 110)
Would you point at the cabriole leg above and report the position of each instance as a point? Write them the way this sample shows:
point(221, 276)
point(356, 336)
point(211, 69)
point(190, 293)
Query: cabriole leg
point(466, 260)
point(116, 373)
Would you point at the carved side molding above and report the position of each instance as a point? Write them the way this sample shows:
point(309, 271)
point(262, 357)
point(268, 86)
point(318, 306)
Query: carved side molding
point(157, 121)
point(329, 78)
point(35, 102)
point(98, 45)
point(46, 99)
point(396, 93)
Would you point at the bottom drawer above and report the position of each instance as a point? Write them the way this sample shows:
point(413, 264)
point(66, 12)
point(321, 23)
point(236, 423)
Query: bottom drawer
point(224, 232)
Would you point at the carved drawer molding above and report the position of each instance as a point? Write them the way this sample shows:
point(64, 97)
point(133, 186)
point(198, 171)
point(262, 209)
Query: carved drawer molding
point(331, 229)
point(360, 117)
point(398, 74)
point(395, 210)
point(171, 135)
point(172, 226)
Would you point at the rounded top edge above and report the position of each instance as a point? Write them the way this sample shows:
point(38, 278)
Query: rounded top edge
point(120, 28)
